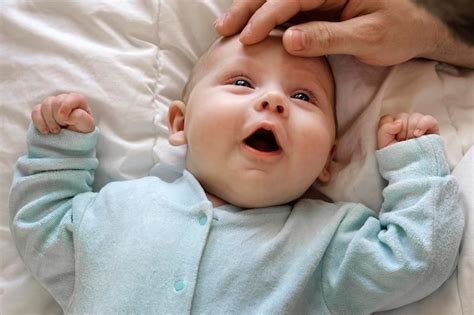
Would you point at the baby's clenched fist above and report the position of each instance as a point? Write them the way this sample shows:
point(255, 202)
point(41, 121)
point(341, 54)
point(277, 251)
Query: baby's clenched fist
point(70, 111)
point(404, 126)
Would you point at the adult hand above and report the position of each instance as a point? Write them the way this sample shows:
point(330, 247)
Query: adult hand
point(70, 111)
point(377, 32)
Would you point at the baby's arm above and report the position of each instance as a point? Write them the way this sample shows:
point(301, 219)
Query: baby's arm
point(411, 248)
point(49, 182)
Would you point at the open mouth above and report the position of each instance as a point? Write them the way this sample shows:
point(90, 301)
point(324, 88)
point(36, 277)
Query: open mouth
point(263, 140)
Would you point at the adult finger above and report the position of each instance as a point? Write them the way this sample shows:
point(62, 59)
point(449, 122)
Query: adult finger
point(266, 18)
point(237, 16)
point(275, 12)
point(325, 38)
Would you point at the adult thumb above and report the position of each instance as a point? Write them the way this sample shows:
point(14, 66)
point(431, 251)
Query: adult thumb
point(320, 38)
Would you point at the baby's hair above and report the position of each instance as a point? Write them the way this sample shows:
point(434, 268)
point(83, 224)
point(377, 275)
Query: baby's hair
point(201, 64)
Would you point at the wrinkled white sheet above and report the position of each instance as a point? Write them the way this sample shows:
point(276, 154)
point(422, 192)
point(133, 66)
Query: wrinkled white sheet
point(132, 57)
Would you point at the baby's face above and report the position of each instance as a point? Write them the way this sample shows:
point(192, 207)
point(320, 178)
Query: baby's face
point(259, 123)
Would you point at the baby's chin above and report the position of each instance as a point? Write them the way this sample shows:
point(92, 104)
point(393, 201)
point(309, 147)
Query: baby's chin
point(254, 200)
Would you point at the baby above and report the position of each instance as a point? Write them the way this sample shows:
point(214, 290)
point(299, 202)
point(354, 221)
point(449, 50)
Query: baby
point(231, 234)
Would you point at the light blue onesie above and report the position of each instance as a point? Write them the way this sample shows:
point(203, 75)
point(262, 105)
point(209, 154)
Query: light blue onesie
point(148, 246)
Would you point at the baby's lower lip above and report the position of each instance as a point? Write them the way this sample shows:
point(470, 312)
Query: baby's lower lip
point(261, 154)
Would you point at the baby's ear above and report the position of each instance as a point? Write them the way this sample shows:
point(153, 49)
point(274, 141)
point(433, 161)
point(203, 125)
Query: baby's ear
point(176, 123)
point(326, 174)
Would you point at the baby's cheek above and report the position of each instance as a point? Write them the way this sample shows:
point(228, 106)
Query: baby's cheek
point(316, 150)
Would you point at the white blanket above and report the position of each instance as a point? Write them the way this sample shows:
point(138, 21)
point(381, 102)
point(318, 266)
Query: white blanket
point(131, 58)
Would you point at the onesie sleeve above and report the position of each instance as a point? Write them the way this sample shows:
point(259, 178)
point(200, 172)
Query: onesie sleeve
point(57, 172)
point(406, 253)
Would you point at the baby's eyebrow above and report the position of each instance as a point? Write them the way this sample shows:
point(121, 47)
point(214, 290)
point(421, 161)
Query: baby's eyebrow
point(242, 61)
point(308, 75)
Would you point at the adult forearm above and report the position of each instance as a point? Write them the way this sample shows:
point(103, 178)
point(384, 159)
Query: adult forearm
point(457, 15)
point(451, 33)
point(450, 49)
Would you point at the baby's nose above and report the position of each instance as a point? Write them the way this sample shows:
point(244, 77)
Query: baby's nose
point(275, 102)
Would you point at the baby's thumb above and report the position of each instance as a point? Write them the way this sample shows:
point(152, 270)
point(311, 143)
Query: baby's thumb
point(81, 121)
point(321, 38)
point(387, 133)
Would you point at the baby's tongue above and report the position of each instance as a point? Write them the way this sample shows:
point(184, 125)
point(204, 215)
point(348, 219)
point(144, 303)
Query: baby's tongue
point(263, 140)
point(260, 143)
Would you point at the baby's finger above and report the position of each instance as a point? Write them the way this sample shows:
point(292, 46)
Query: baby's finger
point(426, 125)
point(392, 128)
point(71, 102)
point(387, 132)
point(48, 117)
point(56, 107)
point(402, 135)
point(38, 120)
point(413, 120)
point(81, 121)
point(385, 119)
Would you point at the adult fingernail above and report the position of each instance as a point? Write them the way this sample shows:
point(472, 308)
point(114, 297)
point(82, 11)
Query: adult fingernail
point(297, 39)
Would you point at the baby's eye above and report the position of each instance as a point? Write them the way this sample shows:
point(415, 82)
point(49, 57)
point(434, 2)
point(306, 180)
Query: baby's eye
point(242, 82)
point(302, 96)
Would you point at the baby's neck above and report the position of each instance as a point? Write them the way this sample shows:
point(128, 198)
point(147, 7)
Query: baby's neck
point(216, 201)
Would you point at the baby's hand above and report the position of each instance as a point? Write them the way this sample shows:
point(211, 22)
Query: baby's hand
point(404, 126)
point(69, 111)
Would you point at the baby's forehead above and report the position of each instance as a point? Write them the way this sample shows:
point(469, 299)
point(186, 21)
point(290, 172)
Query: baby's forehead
point(227, 47)
point(269, 52)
